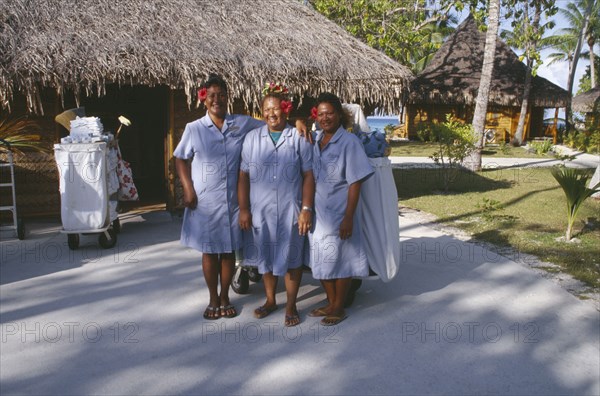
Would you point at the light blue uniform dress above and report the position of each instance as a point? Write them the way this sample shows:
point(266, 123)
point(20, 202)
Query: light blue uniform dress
point(341, 162)
point(276, 177)
point(212, 227)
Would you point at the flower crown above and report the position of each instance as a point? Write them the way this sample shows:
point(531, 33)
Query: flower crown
point(275, 88)
point(281, 91)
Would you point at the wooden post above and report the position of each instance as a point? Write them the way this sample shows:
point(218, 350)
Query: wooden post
point(169, 147)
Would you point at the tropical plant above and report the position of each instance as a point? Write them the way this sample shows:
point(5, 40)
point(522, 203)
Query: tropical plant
point(541, 147)
point(454, 141)
point(526, 36)
point(574, 184)
point(583, 17)
point(21, 134)
point(481, 102)
point(408, 31)
point(585, 82)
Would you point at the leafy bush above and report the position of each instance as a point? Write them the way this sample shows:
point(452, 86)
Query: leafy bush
point(455, 141)
point(574, 183)
point(587, 141)
point(541, 147)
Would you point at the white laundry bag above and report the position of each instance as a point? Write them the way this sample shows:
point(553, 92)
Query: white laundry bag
point(83, 185)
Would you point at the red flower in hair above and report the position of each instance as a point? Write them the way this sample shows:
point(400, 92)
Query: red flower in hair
point(202, 94)
point(313, 113)
point(286, 106)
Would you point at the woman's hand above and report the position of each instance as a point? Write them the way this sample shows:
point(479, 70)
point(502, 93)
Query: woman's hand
point(304, 222)
point(346, 227)
point(303, 131)
point(245, 219)
point(190, 199)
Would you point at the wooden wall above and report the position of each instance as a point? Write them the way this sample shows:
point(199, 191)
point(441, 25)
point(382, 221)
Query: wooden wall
point(502, 119)
point(36, 174)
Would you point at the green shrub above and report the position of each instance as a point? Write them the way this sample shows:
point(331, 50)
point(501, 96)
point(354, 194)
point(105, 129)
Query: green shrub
point(541, 147)
point(455, 141)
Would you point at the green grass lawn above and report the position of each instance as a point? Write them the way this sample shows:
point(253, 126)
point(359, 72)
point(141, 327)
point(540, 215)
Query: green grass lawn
point(425, 149)
point(521, 208)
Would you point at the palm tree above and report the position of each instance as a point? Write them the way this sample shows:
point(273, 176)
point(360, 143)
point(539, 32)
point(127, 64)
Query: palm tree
point(526, 37)
point(474, 161)
point(434, 34)
point(592, 35)
point(583, 18)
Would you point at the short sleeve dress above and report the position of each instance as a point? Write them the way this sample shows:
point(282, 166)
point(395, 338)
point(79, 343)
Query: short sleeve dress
point(212, 227)
point(341, 162)
point(276, 179)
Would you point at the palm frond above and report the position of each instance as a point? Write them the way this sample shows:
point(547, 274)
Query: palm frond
point(22, 135)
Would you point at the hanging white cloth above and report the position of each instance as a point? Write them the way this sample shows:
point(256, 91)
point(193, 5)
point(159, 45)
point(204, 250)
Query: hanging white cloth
point(379, 211)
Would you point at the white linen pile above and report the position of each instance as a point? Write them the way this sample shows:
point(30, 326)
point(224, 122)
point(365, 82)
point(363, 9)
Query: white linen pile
point(86, 127)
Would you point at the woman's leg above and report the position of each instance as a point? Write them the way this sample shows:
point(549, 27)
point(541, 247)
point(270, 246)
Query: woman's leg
point(210, 268)
point(292, 285)
point(227, 261)
point(336, 312)
point(329, 286)
point(342, 285)
point(270, 282)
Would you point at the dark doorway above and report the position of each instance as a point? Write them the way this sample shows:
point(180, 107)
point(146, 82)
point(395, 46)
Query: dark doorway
point(142, 144)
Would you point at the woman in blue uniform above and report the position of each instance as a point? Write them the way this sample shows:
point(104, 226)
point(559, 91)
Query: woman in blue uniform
point(276, 192)
point(340, 165)
point(210, 225)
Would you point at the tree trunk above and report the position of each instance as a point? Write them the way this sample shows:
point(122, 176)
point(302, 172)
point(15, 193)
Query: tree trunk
point(568, 112)
point(591, 43)
point(518, 139)
point(531, 47)
point(479, 116)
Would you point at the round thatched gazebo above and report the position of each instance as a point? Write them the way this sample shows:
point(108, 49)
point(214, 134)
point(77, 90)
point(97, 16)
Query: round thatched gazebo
point(449, 84)
point(145, 59)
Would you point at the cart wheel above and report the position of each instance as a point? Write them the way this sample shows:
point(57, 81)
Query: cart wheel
point(116, 225)
point(73, 241)
point(254, 275)
point(240, 283)
point(108, 243)
point(20, 229)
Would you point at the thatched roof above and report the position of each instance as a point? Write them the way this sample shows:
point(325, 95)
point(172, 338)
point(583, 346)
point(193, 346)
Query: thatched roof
point(82, 45)
point(453, 75)
point(587, 102)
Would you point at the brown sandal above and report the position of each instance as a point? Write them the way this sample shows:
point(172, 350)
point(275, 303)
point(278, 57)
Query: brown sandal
point(212, 313)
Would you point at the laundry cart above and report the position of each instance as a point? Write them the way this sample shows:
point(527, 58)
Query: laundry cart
point(88, 191)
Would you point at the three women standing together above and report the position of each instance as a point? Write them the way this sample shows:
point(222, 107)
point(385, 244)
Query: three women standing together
point(263, 187)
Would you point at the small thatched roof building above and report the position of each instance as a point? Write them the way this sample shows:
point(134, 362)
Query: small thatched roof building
point(587, 102)
point(145, 59)
point(81, 46)
point(449, 84)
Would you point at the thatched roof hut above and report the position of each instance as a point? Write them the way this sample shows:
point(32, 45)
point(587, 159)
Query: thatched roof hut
point(449, 84)
point(84, 45)
point(587, 102)
point(455, 70)
point(145, 58)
